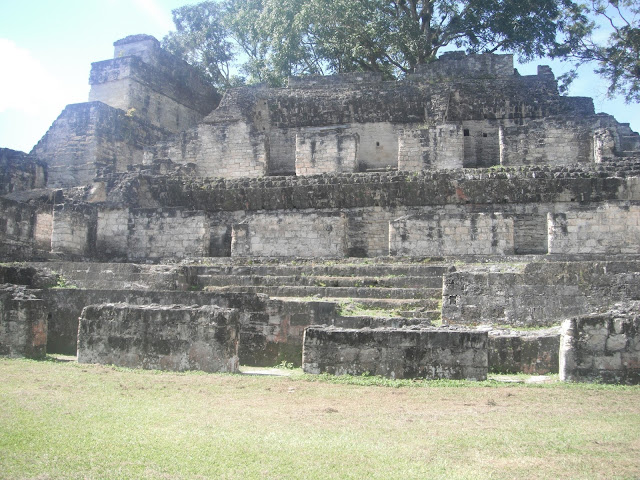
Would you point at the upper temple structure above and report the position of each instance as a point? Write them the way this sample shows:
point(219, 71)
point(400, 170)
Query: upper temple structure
point(479, 194)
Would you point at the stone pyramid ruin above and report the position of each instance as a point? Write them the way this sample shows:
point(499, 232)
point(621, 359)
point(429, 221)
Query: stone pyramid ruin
point(344, 223)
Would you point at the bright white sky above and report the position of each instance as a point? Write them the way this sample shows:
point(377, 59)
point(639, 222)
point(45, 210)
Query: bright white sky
point(46, 50)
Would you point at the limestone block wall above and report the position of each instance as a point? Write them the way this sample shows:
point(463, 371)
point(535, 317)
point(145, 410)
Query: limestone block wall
point(112, 236)
point(20, 172)
point(396, 353)
point(137, 100)
point(160, 233)
point(282, 151)
point(175, 337)
point(536, 294)
point(23, 323)
point(43, 229)
point(377, 145)
point(16, 229)
point(228, 150)
point(438, 147)
point(290, 234)
point(89, 139)
point(481, 141)
point(552, 141)
point(608, 229)
point(602, 348)
point(326, 150)
point(473, 234)
point(73, 231)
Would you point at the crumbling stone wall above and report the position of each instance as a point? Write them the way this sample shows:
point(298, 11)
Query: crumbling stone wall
point(602, 347)
point(415, 123)
point(611, 228)
point(91, 139)
point(175, 337)
point(397, 353)
point(17, 221)
point(457, 64)
point(538, 293)
point(504, 186)
point(23, 323)
point(19, 172)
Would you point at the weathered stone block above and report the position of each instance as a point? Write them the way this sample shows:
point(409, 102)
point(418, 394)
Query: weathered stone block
point(23, 323)
point(174, 337)
point(397, 353)
point(601, 347)
point(531, 352)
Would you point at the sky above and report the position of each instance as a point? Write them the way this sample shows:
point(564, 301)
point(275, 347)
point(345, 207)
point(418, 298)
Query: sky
point(47, 47)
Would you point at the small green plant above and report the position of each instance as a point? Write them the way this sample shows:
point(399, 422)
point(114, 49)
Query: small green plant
point(284, 365)
point(130, 112)
point(63, 283)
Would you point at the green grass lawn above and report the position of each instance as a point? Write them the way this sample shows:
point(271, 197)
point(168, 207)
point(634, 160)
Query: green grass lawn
point(64, 420)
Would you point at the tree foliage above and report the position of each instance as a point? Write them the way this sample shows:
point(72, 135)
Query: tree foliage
point(269, 40)
point(605, 33)
point(202, 38)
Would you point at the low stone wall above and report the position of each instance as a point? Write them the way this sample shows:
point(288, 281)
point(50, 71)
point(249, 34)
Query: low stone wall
point(531, 352)
point(536, 294)
point(23, 323)
point(602, 348)
point(397, 353)
point(271, 332)
point(174, 337)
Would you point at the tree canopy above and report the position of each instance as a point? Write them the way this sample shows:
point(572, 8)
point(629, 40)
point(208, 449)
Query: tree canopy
point(269, 40)
point(605, 33)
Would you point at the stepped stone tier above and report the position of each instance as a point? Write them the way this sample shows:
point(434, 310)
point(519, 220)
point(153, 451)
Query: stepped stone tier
point(463, 194)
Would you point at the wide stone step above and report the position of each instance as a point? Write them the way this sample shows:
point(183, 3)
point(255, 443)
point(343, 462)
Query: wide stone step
point(339, 292)
point(319, 281)
point(431, 315)
point(377, 322)
point(114, 276)
point(332, 270)
point(387, 304)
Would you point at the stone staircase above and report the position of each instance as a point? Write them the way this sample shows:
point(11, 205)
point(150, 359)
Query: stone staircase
point(408, 290)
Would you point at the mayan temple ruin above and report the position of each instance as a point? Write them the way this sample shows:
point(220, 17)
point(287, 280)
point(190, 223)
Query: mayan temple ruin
point(463, 220)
